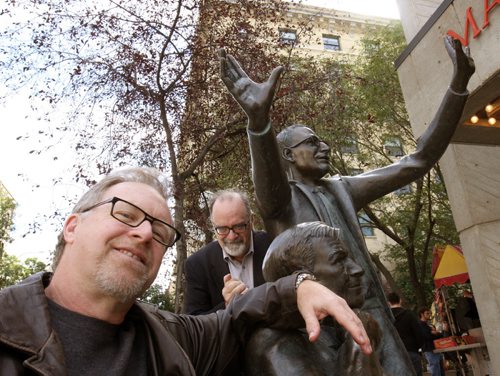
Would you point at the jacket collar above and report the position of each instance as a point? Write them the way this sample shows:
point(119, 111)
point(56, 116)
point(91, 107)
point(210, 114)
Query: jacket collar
point(25, 325)
point(166, 355)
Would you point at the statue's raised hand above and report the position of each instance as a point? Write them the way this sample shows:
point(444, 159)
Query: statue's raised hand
point(254, 98)
point(463, 64)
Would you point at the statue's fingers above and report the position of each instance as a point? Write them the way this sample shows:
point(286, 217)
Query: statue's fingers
point(225, 74)
point(221, 53)
point(467, 51)
point(235, 67)
point(275, 75)
point(449, 44)
point(228, 82)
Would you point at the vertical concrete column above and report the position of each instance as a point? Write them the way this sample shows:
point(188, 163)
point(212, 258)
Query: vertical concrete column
point(472, 178)
point(414, 14)
point(471, 172)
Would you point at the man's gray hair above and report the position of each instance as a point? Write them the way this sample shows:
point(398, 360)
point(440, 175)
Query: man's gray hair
point(230, 194)
point(293, 249)
point(146, 175)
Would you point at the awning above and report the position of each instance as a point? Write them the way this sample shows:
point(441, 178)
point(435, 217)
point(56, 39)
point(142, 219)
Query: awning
point(448, 266)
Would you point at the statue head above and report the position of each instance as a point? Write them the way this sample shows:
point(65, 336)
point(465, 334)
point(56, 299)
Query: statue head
point(304, 154)
point(317, 248)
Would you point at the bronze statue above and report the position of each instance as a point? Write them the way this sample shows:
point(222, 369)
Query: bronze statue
point(314, 247)
point(306, 195)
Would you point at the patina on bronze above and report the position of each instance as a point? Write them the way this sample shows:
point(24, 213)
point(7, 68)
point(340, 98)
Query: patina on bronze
point(288, 175)
point(314, 247)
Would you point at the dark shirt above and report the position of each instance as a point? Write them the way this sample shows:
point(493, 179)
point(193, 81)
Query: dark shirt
point(429, 337)
point(408, 328)
point(96, 347)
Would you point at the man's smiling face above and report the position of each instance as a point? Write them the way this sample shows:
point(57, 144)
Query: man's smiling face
point(120, 260)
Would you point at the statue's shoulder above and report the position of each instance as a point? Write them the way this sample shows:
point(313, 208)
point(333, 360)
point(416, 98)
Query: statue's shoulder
point(334, 182)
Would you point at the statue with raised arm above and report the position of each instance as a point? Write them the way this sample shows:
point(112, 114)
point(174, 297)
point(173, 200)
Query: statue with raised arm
point(289, 169)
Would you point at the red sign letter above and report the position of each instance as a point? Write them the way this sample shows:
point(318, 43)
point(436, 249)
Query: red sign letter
point(487, 10)
point(469, 20)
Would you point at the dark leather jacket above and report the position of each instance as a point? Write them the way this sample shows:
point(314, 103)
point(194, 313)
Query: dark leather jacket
point(178, 344)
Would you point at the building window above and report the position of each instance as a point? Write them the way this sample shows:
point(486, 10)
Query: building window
point(331, 42)
point(288, 36)
point(243, 33)
point(394, 147)
point(350, 146)
point(367, 227)
point(403, 190)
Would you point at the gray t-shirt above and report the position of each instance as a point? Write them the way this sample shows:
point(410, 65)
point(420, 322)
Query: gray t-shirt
point(95, 347)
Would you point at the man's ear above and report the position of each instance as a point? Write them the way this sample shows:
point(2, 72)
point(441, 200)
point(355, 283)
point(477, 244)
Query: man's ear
point(70, 226)
point(287, 155)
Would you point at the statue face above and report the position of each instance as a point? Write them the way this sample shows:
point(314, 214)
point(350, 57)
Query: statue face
point(336, 270)
point(307, 154)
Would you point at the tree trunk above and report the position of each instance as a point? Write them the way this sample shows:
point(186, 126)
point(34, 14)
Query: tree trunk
point(181, 247)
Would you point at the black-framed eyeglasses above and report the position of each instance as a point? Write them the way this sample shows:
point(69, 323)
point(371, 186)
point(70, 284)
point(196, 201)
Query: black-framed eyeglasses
point(312, 141)
point(240, 228)
point(131, 215)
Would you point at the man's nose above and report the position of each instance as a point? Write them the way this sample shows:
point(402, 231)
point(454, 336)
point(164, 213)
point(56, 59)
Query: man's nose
point(232, 234)
point(354, 269)
point(144, 230)
point(323, 146)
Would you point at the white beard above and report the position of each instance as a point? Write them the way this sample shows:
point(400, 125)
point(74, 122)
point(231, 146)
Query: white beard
point(235, 249)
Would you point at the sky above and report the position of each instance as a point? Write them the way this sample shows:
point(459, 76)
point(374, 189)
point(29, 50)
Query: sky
point(29, 177)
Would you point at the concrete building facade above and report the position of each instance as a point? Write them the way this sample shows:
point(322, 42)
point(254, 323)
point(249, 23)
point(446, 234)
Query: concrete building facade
point(471, 165)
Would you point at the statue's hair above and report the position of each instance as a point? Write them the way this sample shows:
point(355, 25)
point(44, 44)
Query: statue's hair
point(293, 249)
point(146, 175)
point(229, 194)
point(284, 136)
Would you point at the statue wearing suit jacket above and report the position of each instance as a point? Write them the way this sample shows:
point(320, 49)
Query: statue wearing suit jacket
point(290, 185)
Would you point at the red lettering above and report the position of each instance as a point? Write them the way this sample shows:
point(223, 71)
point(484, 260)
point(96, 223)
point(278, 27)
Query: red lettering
point(487, 10)
point(469, 20)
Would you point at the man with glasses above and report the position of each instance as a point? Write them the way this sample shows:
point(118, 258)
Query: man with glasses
point(84, 319)
point(290, 185)
point(230, 265)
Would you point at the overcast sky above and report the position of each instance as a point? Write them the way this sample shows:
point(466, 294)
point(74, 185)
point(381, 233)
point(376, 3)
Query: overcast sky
point(29, 177)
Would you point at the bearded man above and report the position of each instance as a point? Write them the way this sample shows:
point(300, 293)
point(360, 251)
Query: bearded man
point(229, 265)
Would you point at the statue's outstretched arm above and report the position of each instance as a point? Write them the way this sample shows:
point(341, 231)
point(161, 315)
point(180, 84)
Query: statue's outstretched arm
point(369, 186)
point(270, 182)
